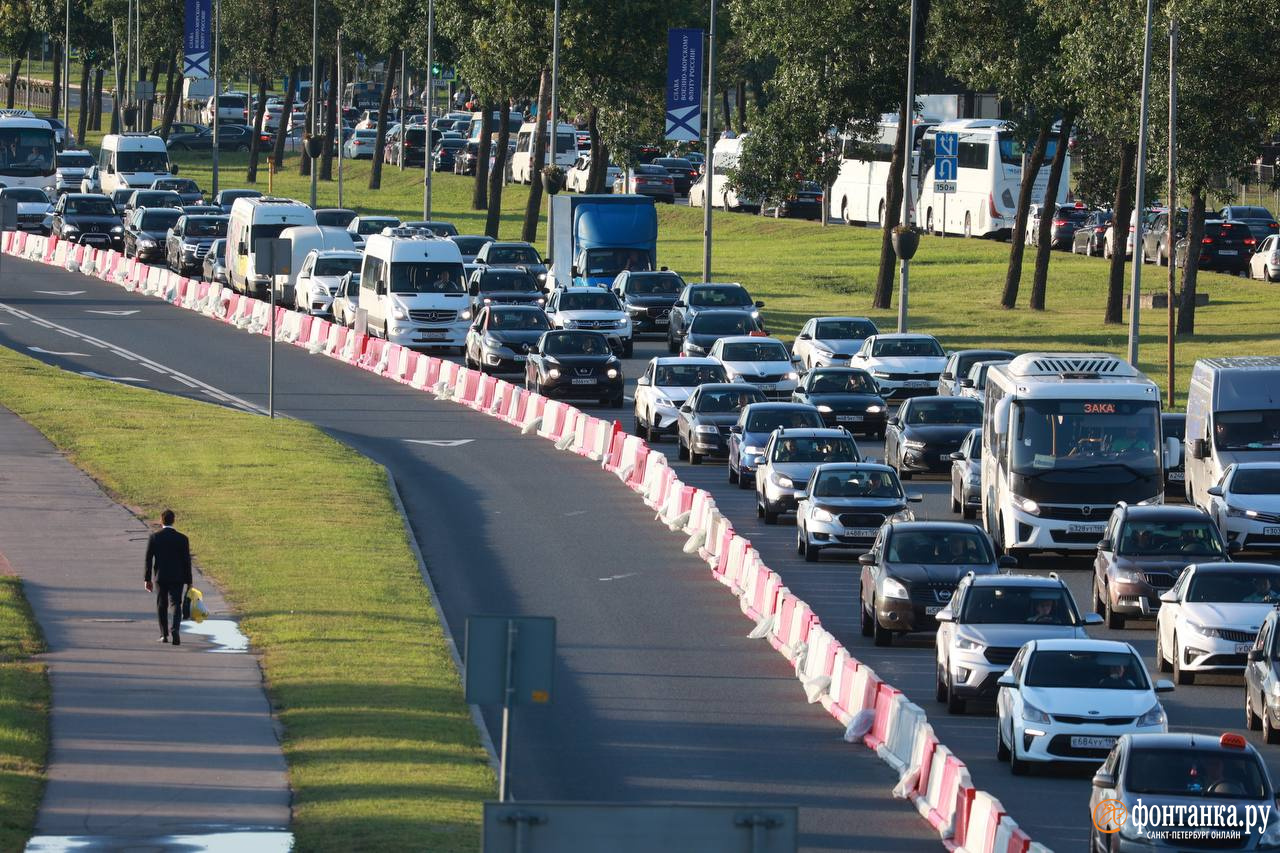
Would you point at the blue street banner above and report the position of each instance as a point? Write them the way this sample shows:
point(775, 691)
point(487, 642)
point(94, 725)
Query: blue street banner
point(197, 40)
point(684, 85)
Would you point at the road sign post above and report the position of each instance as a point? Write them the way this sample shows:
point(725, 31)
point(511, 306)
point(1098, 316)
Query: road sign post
point(272, 258)
point(509, 660)
point(946, 146)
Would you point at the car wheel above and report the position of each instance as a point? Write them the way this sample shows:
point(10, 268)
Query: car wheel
point(1180, 675)
point(1017, 766)
point(695, 458)
point(746, 481)
point(968, 512)
point(1097, 597)
point(881, 635)
point(769, 515)
point(955, 705)
point(1269, 732)
point(1115, 621)
point(955, 504)
point(651, 434)
point(1267, 275)
point(968, 226)
point(812, 553)
point(638, 429)
point(1002, 751)
point(681, 451)
point(939, 685)
point(800, 541)
point(733, 475)
point(866, 624)
point(1252, 721)
point(672, 346)
point(1162, 663)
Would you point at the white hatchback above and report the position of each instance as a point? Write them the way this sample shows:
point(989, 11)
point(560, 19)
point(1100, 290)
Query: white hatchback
point(763, 362)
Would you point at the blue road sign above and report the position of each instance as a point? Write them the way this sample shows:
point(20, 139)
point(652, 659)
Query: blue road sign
point(947, 144)
point(944, 169)
point(946, 149)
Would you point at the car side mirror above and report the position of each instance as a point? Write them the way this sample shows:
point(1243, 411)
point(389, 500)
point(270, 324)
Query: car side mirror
point(1007, 680)
point(802, 496)
point(1104, 780)
point(1199, 449)
point(966, 383)
point(1256, 655)
point(915, 498)
point(957, 456)
point(1216, 491)
point(573, 270)
point(686, 408)
point(643, 380)
point(736, 429)
point(893, 421)
point(804, 336)
point(1006, 561)
point(1093, 619)
point(380, 289)
point(1164, 685)
point(1234, 547)
point(1169, 596)
point(945, 615)
point(1104, 544)
point(867, 559)
point(759, 303)
point(946, 376)
point(678, 304)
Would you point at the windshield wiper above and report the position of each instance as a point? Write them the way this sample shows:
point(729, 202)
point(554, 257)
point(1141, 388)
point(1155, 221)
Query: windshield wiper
point(1137, 475)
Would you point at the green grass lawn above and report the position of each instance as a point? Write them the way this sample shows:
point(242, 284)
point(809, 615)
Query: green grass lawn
point(24, 717)
point(303, 536)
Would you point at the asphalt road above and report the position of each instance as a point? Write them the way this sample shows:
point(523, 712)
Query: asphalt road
point(659, 694)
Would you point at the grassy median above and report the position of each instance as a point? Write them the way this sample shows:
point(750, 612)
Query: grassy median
point(303, 536)
point(24, 717)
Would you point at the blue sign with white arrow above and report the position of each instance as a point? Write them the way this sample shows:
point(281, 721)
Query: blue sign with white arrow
point(946, 147)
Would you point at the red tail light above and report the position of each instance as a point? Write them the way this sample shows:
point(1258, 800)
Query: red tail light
point(819, 199)
point(1249, 241)
point(1059, 222)
point(1131, 229)
point(1207, 240)
point(1100, 229)
point(991, 201)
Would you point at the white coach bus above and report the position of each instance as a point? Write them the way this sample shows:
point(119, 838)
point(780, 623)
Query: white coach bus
point(858, 192)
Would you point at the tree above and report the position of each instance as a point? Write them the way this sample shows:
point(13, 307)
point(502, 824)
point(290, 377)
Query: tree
point(544, 127)
point(21, 23)
point(1040, 279)
point(499, 169)
point(384, 108)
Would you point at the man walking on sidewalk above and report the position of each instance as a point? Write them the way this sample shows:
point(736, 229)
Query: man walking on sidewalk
point(169, 553)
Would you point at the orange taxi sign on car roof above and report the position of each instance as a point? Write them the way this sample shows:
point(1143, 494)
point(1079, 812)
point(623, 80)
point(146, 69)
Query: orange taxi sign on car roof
point(1233, 740)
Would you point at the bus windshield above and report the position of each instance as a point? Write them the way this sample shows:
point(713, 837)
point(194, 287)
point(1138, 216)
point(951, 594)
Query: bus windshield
point(26, 152)
point(1087, 445)
point(1012, 149)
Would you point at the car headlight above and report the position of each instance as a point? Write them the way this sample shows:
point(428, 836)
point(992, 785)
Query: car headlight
point(571, 324)
point(822, 351)
point(146, 242)
point(880, 374)
point(1154, 716)
point(793, 376)
point(119, 229)
point(399, 313)
point(1270, 837)
point(874, 410)
point(70, 229)
point(622, 324)
point(1129, 575)
point(783, 481)
point(968, 645)
point(612, 373)
point(1026, 505)
point(465, 315)
point(490, 342)
point(821, 514)
point(752, 450)
point(554, 373)
point(890, 588)
point(1237, 512)
point(913, 444)
point(1032, 714)
point(662, 401)
point(755, 314)
point(825, 409)
point(635, 309)
point(711, 429)
point(1197, 628)
point(542, 276)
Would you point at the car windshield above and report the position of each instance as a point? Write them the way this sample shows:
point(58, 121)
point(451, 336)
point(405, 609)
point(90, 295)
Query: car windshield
point(907, 348)
point(857, 484)
point(229, 196)
point(601, 262)
point(845, 330)
point(1250, 214)
point(336, 266)
point(451, 144)
point(771, 419)
point(754, 351)
point(1183, 538)
point(722, 324)
point(841, 382)
point(200, 226)
point(964, 362)
point(159, 219)
point(366, 134)
point(939, 547)
point(26, 195)
point(659, 283)
point(91, 206)
point(687, 375)
point(76, 161)
point(142, 161)
point(26, 151)
point(157, 198)
point(1254, 430)
point(1072, 214)
point(726, 400)
point(1195, 773)
point(576, 343)
point(509, 280)
point(1087, 435)
point(469, 245)
point(589, 301)
point(950, 411)
point(719, 297)
point(1017, 605)
point(121, 196)
point(673, 163)
point(822, 449)
point(369, 225)
point(426, 277)
point(335, 218)
point(1235, 587)
point(1256, 481)
point(176, 184)
point(518, 320)
point(1086, 670)
point(512, 255)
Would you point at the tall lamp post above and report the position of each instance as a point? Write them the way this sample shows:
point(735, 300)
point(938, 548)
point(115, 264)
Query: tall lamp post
point(1139, 198)
point(217, 91)
point(554, 117)
point(708, 170)
point(314, 99)
point(431, 91)
point(66, 72)
point(908, 138)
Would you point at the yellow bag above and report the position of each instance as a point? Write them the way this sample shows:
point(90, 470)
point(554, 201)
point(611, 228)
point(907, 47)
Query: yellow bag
point(199, 612)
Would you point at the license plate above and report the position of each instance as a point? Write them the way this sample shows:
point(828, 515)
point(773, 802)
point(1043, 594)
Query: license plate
point(589, 380)
point(1082, 742)
point(1177, 476)
point(917, 383)
point(1231, 252)
point(845, 419)
point(1086, 528)
point(1243, 648)
point(433, 336)
point(661, 321)
point(517, 358)
point(932, 609)
point(863, 532)
point(1271, 531)
point(767, 387)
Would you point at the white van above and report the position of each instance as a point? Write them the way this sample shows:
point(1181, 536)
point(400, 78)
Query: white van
point(724, 159)
point(413, 290)
point(305, 239)
point(254, 219)
point(130, 161)
point(1233, 415)
point(232, 107)
point(522, 160)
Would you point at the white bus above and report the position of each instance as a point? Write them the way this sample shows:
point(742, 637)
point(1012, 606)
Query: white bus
point(27, 151)
point(988, 179)
point(522, 159)
point(1065, 436)
point(858, 192)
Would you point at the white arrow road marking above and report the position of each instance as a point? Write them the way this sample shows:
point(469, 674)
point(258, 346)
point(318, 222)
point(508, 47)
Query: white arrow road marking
point(60, 292)
point(93, 375)
point(113, 313)
point(441, 442)
point(620, 577)
point(44, 351)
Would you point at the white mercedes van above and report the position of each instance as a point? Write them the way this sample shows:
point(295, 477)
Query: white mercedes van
point(130, 161)
point(1233, 415)
point(413, 290)
point(254, 219)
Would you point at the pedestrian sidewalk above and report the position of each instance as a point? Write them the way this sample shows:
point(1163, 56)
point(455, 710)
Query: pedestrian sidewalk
point(149, 740)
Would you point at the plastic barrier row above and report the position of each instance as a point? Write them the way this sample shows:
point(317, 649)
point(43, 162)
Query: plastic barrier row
point(871, 710)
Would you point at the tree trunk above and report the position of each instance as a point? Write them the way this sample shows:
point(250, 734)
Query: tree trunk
point(15, 69)
point(172, 98)
point(255, 139)
point(282, 131)
point(148, 112)
point(95, 122)
point(599, 171)
point(1040, 278)
point(1018, 241)
point(498, 172)
point(375, 174)
point(1191, 266)
point(724, 103)
point(55, 97)
point(1122, 209)
point(892, 212)
point(742, 107)
point(82, 121)
point(117, 99)
point(533, 206)
point(332, 130)
point(480, 187)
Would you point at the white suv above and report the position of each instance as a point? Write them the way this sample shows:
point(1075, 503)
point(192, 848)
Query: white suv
point(664, 386)
point(902, 364)
point(593, 309)
point(789, 460)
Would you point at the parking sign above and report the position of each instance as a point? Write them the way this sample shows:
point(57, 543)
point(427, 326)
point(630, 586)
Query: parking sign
point(946, 147)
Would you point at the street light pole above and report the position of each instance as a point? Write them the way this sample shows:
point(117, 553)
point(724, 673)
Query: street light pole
point(338, 140)
point(315, 96)
point(431, 92)
point(554, 117)
point(1173, 191)
point(708, 165)
point(66, 72)
point(217, 90)
point(1139, 197)
point(908, 138)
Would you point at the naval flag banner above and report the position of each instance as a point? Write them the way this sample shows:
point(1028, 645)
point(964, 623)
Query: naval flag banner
point(684, 84)
point(197, 40)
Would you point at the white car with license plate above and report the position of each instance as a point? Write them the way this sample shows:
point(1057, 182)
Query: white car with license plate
point(1246, 505)
point(763, 362)
point(1209, 620)
point(831, 341)
point(593, 309)
point(1070, 700)
point(665, 385)
point(903, 364)
point(321, 276)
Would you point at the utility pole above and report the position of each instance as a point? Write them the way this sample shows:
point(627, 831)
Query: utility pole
point(314, 99)
point(338, 130)
point(431, 92)
point(217, 90)
point(66, 73)
point(908, 138)
point(554, 118)
point(403, 124)
point(1173, 192)
point(1140, 197)
point(708, 165)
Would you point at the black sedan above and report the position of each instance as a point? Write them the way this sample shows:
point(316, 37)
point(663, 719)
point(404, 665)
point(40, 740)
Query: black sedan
point(445, 153)
point(189, 137)
point(710, 326)
point(1067, 218)
point(226, 198)
point(846, 397)
point(925, 431)
point(504, 287)
point(647, 297)
point(189, 241)
point(1259, 220)
point(146, 230)
point(88, 218)
point(804, 202)
point(575, 365)
point(233, 137)
point(703, 427)
point(1089, 237)
point(682, 172)
point(500, 339)
point(1225, 247)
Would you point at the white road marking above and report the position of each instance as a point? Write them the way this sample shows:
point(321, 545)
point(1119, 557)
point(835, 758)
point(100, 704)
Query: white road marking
point(620, 577)
point(113, 313)
point(44, 351)
point(441, 442)
point(93, 375)
point(59, 292)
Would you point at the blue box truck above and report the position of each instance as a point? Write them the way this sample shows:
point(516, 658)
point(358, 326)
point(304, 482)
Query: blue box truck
point(595, 237)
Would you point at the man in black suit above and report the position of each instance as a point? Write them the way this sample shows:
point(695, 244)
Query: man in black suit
point(169, 554)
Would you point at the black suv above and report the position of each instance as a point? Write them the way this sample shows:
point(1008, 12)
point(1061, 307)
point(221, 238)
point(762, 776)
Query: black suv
point(1225, 246)
point(189, 241)
point(88, 218)
point(576, 365)
point(647, 297)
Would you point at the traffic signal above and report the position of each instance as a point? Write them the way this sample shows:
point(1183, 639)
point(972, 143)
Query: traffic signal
point(436, 69)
